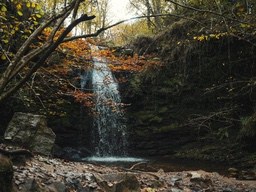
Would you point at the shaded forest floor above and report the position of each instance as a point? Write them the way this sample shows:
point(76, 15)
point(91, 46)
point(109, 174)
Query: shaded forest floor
point(48, 174)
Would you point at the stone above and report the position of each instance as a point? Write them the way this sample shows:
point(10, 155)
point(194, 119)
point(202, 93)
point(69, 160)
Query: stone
point(118, 182)
point(30, 131)
point(32, 185)
point(176, 190)
point(201, 180)
point(233, 172)
point(57, 187)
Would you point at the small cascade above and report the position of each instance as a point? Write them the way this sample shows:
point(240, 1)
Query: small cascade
point(109, 134)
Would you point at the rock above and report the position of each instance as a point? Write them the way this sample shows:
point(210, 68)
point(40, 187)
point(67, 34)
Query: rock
point(57, 187)
point(233, 172)
point(32, 185)
point(195, 175)
point(31, 131)
point(174, 181)
point(176, 190)
point(119, 182)
point(201, 180)
point(6, 174)
point(248, 175)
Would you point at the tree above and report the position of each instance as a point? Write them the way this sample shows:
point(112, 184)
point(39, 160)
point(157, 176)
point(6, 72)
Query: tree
point(28, 58)
point(18, 67)
point(148, 8)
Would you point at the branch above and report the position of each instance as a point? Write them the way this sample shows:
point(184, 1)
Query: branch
point(126, 20)
point(206, 11)
point(76, 9)
point(83, 17)
point(45, 55)
point(5, 78)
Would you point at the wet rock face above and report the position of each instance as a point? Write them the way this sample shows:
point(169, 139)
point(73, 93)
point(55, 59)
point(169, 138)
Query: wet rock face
point(31, 131)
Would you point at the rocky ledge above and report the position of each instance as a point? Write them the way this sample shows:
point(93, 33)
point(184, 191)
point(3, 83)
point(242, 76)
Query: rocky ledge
point(56, 175)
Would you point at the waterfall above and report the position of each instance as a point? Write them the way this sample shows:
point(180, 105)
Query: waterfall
point(109, 133)
point(109, 129)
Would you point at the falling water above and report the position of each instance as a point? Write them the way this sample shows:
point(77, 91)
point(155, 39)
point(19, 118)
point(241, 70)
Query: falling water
point(109, 128)
point(109, 131)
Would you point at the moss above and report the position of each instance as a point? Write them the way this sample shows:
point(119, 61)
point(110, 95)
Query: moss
point(249, 126)
point(163, 110)
point(168, 128)
point(156, 119)
point(144, 115)
point(141, 133)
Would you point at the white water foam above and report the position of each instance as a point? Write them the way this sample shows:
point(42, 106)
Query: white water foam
point(113, 159)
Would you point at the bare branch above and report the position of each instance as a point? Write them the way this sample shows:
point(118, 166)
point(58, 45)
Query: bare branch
point(5, 78)
point(126, 20)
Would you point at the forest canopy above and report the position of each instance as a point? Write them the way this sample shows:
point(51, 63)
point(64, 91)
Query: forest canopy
point(32, 30)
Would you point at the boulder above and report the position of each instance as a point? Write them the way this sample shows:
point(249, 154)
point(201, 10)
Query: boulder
point(30, 131)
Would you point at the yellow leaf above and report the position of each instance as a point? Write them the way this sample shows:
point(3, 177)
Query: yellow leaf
point(38, 7)
point(33, 5)
point(28, 4)
point(201, 38)
point(3, 57)
point(3, 9)
point(38, 15)
point(18, 6)
point(5, 41)
point(19, 13)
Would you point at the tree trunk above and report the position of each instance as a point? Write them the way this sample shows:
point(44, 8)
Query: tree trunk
point(149, 11)
point(157, 11)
